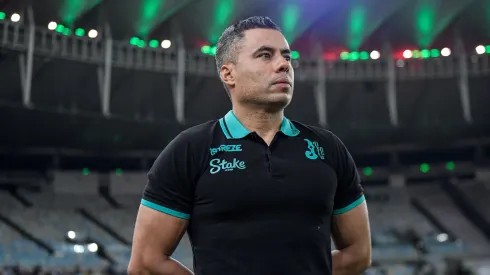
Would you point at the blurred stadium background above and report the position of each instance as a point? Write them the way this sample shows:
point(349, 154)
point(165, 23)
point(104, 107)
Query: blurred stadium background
point(92, 90)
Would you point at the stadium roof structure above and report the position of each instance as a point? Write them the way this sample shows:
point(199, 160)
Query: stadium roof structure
point(427, 85)
point(340, 25)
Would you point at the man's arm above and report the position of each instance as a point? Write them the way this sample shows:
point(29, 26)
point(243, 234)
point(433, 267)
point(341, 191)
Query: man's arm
point(156, 235)
point(352, 239)
point(165, 210)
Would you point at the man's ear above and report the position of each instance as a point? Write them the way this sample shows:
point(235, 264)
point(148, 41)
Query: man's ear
point(227, 74)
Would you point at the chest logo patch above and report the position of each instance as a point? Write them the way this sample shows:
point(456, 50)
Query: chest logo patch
point(218, 165)
point(314, 150)
point(226, 148)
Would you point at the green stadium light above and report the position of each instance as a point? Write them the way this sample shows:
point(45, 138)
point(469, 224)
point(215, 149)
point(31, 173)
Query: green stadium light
point(353, 56)
point(66, 31)
point(134, 41)
point(60, 28)
point(85, 171)
point(367, 171)
point(79, 32)
point(435, 53)
point(364, 55)
point(153, 44)
point(206, 49)
point(424, 168)
point(119, 171)
point(295, 55)
point(137, 42)
point(212, 50)
point(344, 56)
point(416, 54)
point(2, 15)
point(487, 49)
point(425, 53)
point(450, 165)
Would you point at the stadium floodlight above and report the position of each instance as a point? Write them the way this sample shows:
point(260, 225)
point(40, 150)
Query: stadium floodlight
point(2, 15)
point(153, 44)
point(442, 237)
point(119, 172)
point(416, 54)
point(367, 171)
point(295, 55)
point(375, 55)
point(93, 247)
point(364, 55)
point(435, 53)
point(407, 54)
point(424, 168)
point(134, 41)
point(79, 32)
point(446, 52)
point(344, 55)
point(353, 56)
point(85, 171)
point(71, 234)
point(166, 44)
point(15, 17)
point(425, 53)
point(450, 165)
point(78, 249)
point(93, 33)
point(52, 25)
point(212, 51)
point(141, 43)
point(480, 49)
point(60, 28)
point(205, 49)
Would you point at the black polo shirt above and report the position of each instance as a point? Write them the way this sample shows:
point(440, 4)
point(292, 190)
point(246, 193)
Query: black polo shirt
point(252, 208)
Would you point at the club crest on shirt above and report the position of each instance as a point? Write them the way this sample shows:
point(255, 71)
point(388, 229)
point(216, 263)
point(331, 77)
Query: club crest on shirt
point(314, 150)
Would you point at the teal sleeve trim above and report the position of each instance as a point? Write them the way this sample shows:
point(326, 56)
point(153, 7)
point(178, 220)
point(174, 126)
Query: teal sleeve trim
point(350, 206)
point(165, 210)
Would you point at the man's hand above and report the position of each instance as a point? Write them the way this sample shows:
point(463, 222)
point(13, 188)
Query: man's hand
point(156, 235)
point(352, 238)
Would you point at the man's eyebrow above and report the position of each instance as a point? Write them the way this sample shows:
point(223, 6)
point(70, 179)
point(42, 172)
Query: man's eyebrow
point(271, 49)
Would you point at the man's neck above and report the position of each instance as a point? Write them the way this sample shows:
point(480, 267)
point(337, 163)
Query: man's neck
point(265, 124)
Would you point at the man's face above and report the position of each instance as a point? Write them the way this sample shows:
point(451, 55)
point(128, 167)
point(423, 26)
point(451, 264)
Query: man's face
point(263, 74)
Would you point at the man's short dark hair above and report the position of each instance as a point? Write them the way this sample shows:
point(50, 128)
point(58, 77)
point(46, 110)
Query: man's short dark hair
point(228, 44)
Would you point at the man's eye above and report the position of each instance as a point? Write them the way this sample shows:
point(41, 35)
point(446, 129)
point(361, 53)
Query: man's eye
point(266, 55)
point(288, 58)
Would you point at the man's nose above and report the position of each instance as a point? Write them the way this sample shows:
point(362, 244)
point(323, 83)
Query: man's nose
point(283, 66)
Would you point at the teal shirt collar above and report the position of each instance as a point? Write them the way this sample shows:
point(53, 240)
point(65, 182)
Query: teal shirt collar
point(234, 129)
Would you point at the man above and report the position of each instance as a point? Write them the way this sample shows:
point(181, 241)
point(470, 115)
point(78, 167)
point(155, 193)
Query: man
point(256, 192)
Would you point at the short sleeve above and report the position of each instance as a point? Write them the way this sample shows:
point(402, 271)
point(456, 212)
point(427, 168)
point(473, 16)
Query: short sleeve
point(349, 192)
point(171, 180)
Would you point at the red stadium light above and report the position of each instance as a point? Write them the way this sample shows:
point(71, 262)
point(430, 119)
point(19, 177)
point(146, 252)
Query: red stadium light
point(330, 56)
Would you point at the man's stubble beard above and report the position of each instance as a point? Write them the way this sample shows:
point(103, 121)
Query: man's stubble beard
point(253, 96)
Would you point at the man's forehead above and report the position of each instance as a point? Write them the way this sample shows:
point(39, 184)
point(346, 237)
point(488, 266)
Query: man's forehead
point(256, 38)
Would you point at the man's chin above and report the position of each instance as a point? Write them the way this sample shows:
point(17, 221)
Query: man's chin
point(277, 101)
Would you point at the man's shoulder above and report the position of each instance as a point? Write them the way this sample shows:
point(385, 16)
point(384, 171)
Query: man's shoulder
point(316, 131)
point(194, 135)
point(200, 131)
